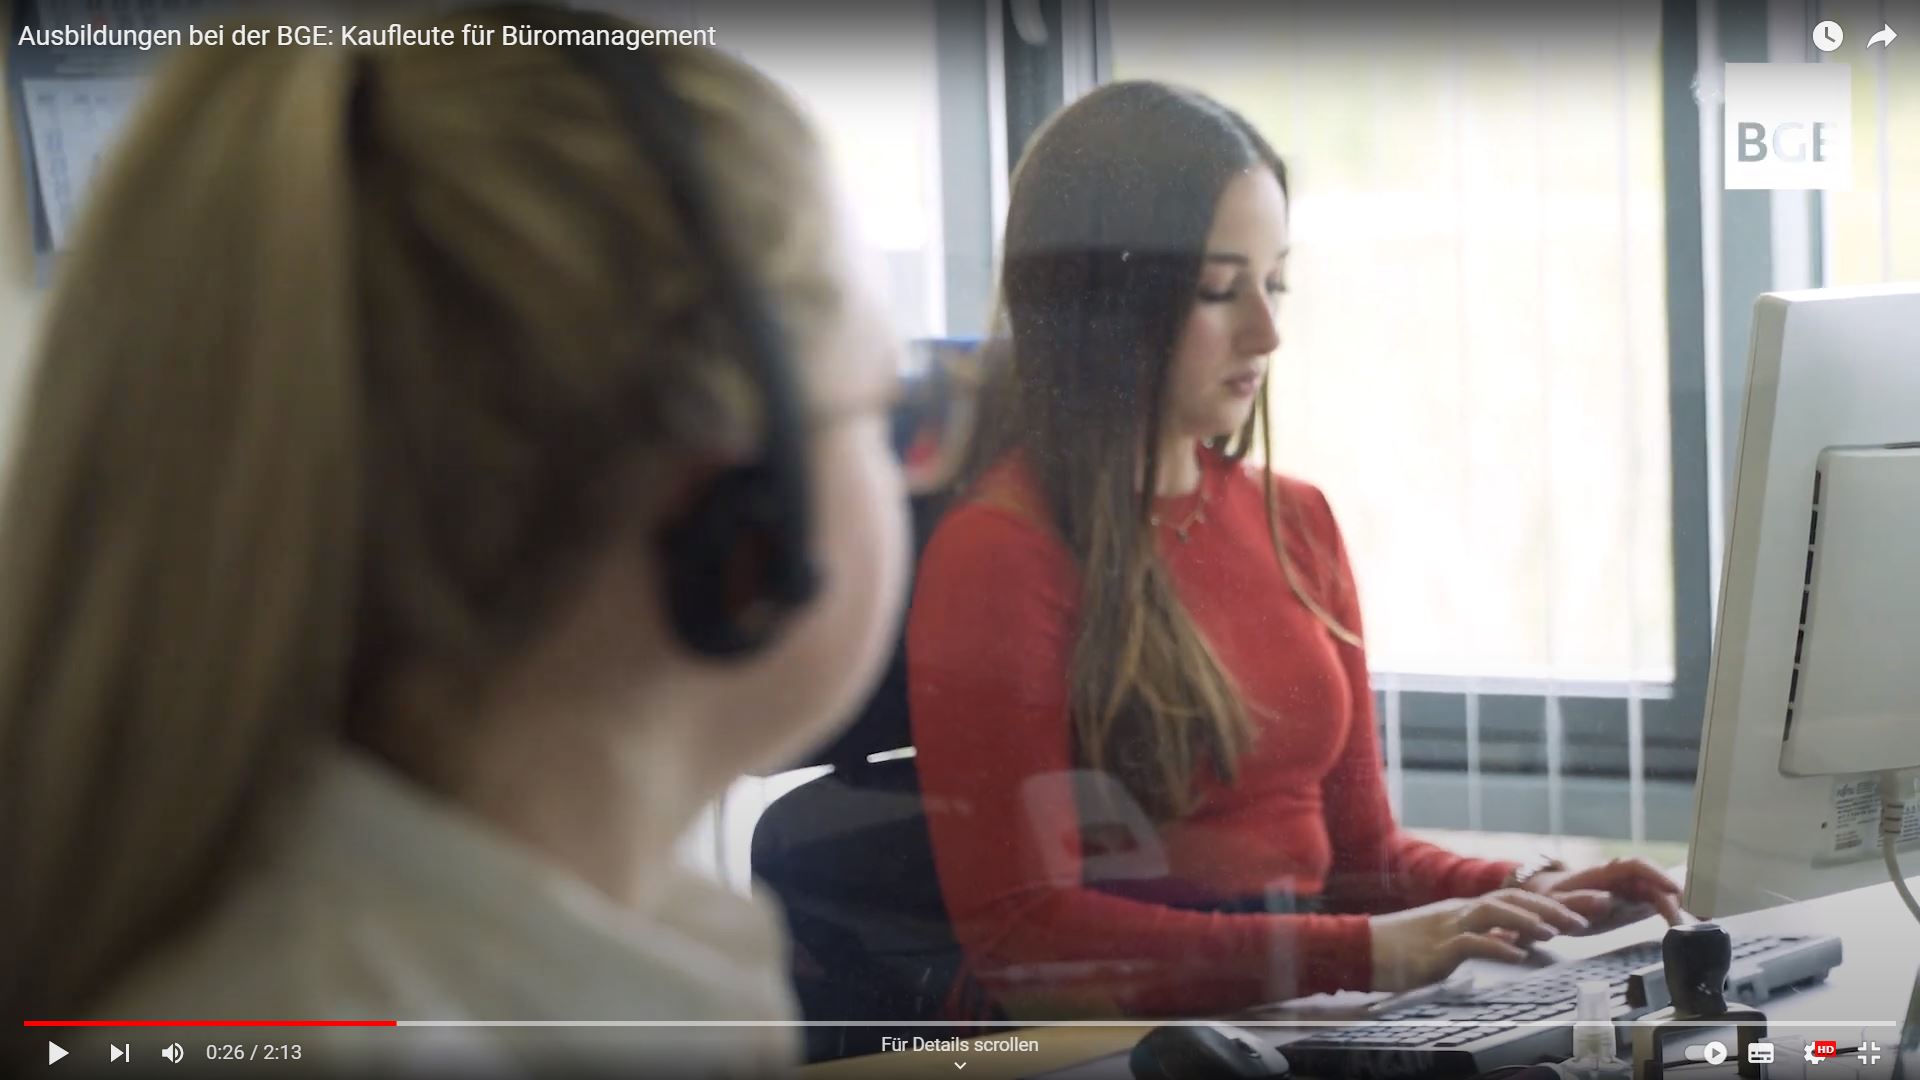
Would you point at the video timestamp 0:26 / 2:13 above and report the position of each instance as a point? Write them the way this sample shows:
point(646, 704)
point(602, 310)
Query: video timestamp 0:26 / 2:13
point(253, 1052)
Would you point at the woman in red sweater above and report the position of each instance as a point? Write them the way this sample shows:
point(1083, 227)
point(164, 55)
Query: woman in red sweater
point(1138, 684)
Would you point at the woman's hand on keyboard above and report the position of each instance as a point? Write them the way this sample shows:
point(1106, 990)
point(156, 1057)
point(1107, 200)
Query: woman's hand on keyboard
point(1633, 881)
point(1420, 945)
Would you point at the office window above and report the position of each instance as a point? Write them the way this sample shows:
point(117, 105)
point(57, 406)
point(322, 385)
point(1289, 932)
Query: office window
point(1475, 357)
point(1873, 231)
point(867, 74)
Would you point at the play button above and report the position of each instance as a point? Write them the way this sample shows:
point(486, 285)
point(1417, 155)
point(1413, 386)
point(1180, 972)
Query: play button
point(1716, 1053)
point(55, 1052)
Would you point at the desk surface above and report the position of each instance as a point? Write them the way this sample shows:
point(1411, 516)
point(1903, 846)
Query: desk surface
point(1869, 990)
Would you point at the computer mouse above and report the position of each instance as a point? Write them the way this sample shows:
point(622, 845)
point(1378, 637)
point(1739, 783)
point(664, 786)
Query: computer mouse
point(1206, 1052)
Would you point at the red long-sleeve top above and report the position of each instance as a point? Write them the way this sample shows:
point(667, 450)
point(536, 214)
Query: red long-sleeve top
point(1063, 915)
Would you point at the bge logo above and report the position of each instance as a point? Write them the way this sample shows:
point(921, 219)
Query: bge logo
point(1788, 142)
point(1788, 126)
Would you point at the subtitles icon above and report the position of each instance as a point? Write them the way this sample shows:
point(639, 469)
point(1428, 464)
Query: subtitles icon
point(1760, 1053)
point(1827, 36)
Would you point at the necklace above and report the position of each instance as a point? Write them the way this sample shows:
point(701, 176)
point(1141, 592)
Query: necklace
point(1194, 517)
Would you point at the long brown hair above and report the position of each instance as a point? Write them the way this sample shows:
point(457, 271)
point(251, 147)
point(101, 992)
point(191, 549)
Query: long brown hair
point(1106, 232)
point(313, 375)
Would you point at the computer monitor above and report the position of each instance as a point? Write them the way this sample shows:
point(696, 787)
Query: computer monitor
point(1816, 677)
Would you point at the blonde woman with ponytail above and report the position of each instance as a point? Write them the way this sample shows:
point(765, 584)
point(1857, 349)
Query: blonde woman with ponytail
point(1138, 679)
point(339, 675)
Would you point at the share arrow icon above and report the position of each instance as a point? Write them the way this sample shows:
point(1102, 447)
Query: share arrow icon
point(1883, 38)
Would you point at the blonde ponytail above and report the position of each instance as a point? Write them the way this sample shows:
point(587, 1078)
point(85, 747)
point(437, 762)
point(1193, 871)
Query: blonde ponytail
point(174, 596)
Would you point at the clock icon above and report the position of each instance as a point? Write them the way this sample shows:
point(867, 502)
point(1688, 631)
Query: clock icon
point(1827, 36)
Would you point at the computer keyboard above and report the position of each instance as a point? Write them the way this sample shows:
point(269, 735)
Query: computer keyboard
point(1561, 982)
point(1529, 1019)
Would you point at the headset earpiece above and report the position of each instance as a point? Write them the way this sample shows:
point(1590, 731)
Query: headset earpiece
point(734, 526)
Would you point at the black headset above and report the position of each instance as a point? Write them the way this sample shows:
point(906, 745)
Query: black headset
point(753, 518)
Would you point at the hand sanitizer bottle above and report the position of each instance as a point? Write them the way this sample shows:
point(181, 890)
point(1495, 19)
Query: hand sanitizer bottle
point(1595, 1055)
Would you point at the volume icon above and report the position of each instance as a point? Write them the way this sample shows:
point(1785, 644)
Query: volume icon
point(173, 1053)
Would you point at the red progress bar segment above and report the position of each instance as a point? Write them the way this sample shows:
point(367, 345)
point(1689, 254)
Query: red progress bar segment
point(210, 1023)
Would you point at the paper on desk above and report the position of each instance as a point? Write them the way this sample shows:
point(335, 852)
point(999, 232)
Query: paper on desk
point(72, 122)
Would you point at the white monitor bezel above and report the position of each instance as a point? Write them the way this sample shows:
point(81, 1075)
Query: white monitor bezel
point(1828, 367)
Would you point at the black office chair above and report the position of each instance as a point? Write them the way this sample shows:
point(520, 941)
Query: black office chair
point(850, 858)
